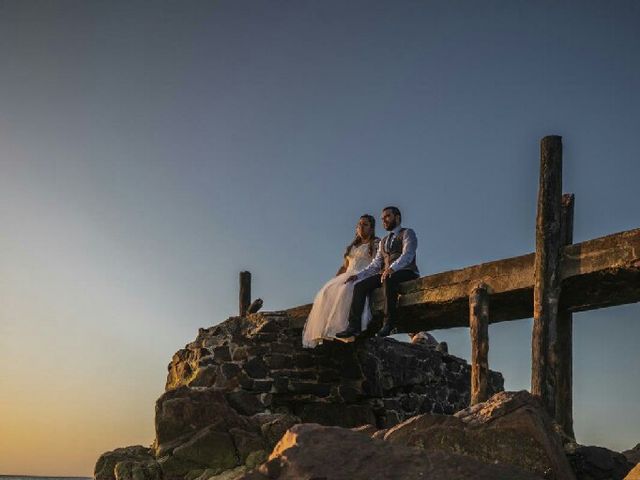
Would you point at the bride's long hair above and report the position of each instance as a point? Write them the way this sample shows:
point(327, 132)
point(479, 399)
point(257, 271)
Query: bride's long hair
point(372, 238)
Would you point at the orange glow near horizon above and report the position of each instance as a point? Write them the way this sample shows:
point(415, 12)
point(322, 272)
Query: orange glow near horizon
point(62, 432)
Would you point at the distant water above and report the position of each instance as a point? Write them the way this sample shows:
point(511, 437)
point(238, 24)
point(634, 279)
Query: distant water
point(27, 477)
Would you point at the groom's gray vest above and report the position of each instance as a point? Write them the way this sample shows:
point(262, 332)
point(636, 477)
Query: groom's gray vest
point(392, 252)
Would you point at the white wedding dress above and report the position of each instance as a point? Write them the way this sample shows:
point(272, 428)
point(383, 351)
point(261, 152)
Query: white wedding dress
point(330, 312)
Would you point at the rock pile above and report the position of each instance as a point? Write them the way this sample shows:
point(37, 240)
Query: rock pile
point(233, 392)
point(244, 400)
point(259, 363)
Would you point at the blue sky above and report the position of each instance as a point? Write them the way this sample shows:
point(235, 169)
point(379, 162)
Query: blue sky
point(149, 151)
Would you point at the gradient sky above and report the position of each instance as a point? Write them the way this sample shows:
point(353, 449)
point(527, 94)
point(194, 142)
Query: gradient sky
point(149, 151)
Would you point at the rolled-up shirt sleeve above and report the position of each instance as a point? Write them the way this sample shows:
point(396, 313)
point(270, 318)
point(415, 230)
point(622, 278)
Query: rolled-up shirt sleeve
point(373, 268)
point(409, 247)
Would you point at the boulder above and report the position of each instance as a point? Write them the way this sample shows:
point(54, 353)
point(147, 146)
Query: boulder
point(313, 451)
point(198, 432)
point(106, 464)
point(598, 463)
point(510, 428)
point(182, 412)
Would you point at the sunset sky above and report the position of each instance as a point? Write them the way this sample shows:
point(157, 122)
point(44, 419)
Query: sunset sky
point(149, 151)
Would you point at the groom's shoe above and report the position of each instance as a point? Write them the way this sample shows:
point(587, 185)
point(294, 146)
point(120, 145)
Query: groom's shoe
point(347, 333)
point(386, 330)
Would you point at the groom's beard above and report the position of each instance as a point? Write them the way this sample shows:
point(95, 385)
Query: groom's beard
point(391, 226)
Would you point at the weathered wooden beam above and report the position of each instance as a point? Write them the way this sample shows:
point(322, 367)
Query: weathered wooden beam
point(245, 292)
point(479, 331)
point(546, 288)
point(597, 273)
point(562, 347)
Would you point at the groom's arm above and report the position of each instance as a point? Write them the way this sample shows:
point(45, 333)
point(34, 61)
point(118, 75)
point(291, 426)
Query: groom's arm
point(409, 247)
point(374, 267)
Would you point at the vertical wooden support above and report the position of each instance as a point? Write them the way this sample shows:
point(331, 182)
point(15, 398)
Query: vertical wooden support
point(245, 292)
point(563, 348)
point(546, 289)
point(479, 330)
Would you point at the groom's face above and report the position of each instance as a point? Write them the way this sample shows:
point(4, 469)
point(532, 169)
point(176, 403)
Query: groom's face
point(389, 220)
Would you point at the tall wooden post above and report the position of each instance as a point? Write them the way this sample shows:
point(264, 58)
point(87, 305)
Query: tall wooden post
point(245, 292)
point(546, 289)
point(563, 348)
point(479, 330)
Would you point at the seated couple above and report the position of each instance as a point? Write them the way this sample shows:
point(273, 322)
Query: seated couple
point(341, 308)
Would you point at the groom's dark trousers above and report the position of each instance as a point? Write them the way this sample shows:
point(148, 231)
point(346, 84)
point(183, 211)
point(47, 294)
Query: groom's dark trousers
point(390, 288)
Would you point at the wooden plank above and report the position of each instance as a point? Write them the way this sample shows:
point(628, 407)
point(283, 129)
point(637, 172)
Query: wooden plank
point(562, 347)
point(479, 331)
point(245, 293)
point(546, 287)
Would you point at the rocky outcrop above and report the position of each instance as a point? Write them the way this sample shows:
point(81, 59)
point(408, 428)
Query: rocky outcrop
point(312, 451)
point(233, 392)
point(510, 428)
point(259, 363)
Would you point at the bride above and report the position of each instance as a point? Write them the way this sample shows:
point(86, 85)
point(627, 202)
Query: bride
point(330, 311)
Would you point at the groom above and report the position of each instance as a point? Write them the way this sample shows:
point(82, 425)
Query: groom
point(394, 263)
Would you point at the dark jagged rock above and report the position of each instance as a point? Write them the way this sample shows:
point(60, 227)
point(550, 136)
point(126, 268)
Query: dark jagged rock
point(598, 463)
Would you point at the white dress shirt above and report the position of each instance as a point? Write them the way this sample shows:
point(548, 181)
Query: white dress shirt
point(409, 247)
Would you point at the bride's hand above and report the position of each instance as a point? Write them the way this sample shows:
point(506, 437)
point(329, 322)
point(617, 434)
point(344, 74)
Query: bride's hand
point(352, 278)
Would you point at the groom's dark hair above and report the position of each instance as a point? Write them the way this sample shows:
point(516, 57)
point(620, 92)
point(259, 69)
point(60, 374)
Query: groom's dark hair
point(395, 210)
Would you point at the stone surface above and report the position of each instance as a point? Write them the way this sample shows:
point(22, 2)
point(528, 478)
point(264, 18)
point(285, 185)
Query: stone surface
point(273, 427)
point(312, 451)
point(510, 428)
point(182, 412)
point(233, 474)
point(598, 463)
point(106, 464)
point(634, 474)
point(210, 448)
point(136, 470)
point(259, 363)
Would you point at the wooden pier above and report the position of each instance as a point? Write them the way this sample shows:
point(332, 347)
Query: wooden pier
point(559, 278)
